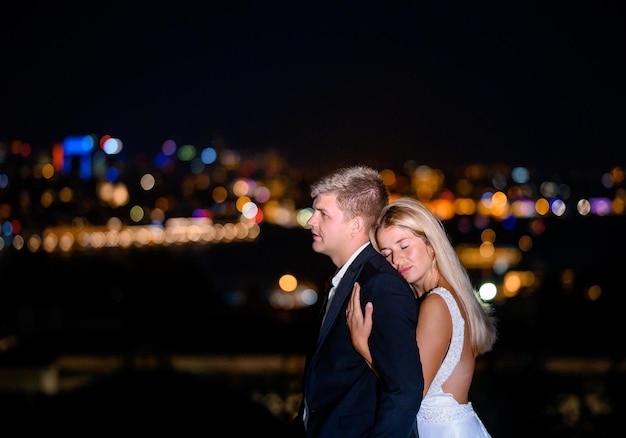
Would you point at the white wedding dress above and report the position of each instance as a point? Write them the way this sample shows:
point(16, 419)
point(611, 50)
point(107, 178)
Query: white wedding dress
point(440, 415)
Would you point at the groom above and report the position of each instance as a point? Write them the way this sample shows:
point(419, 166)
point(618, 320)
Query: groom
point(341, 394)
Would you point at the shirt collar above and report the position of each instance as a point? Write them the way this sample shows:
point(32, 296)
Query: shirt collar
point(341, 271)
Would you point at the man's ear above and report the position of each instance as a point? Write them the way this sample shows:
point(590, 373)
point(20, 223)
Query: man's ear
point(357, 224)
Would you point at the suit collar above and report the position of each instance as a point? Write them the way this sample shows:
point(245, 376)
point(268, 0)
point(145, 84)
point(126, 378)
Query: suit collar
point(344, 288)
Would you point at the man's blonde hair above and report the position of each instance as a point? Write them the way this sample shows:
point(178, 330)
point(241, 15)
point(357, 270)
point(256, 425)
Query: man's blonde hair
point(360, 191)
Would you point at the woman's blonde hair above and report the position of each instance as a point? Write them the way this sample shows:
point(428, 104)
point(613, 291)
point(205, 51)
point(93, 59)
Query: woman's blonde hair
point(412, 215)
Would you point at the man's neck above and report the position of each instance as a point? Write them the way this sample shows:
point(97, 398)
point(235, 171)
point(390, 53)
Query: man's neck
point(352, 255)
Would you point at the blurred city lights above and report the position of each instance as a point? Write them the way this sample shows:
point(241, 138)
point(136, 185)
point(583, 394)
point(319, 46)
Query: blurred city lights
point(487, 291)
point(195, 196)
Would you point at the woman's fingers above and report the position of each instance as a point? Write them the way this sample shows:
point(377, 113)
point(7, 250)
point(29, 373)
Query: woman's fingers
point(367, 319)
point(354, 305)
point(359, 324)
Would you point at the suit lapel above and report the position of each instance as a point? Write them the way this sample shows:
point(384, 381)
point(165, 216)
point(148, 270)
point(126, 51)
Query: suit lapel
point(327, 287)
point(344, 288)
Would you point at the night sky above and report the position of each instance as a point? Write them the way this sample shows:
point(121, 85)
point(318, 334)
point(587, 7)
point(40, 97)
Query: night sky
point(514, 82)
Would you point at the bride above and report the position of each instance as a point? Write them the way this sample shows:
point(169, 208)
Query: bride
point(454, 325)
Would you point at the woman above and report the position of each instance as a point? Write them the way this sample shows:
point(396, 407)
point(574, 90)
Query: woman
point(454, 326)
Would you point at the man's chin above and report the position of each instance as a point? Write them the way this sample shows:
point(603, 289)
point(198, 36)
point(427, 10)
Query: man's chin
point(317, 246)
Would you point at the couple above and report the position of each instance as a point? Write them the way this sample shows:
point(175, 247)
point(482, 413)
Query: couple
point(375, 367)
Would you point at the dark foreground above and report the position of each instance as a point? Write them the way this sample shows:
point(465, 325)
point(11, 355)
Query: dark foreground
point(513, 398)
point(143, 403)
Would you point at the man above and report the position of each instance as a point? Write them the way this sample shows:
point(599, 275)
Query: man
point(342, 397)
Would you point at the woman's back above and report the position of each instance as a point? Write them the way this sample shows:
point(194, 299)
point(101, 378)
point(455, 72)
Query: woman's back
point(437, 316)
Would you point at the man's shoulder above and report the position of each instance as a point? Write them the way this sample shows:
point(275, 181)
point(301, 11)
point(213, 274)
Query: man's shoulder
point(382, 280)
point(376, 264)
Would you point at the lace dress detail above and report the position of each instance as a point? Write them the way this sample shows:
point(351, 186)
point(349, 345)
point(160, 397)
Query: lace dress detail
point(440, 415)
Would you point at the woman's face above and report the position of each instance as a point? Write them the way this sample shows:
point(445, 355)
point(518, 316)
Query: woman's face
point(408, 253)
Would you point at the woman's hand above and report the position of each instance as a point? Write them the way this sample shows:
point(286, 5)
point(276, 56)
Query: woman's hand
point(360, 325)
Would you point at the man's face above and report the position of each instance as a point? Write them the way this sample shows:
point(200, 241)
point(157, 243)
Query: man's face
point(329, 228)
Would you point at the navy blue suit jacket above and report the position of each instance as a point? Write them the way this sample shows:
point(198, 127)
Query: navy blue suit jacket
point(344, 397)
